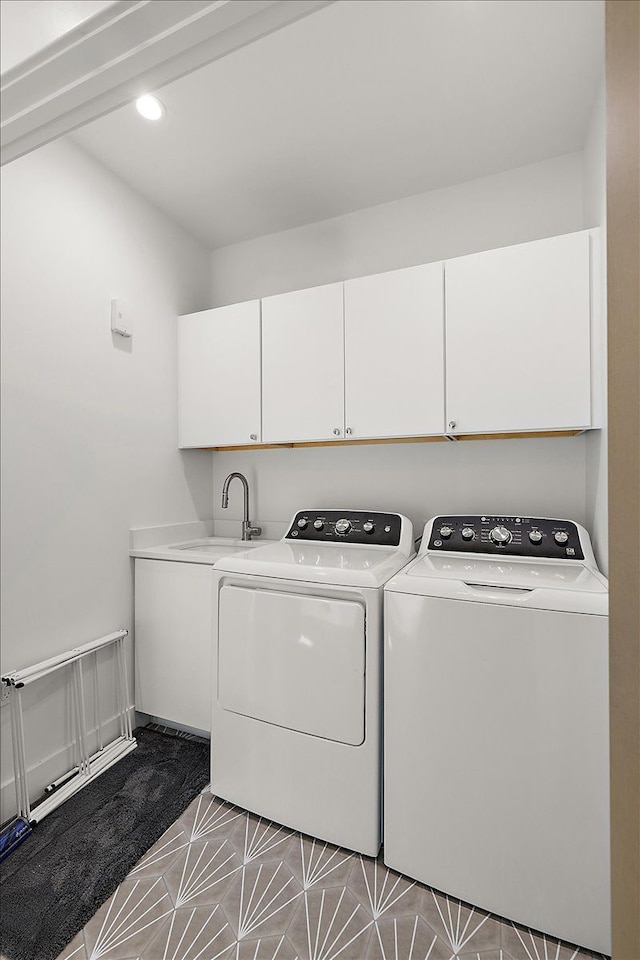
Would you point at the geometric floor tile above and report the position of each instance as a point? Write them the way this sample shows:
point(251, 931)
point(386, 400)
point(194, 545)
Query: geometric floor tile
point(225, 884)
point(124, 925)
point(262, 899)
point(406, 938)
point(207, 816)
point(193, 933)
point(330, 922)
point(202, 873)
point(267, 948)
point(316, 862)
point(464, 929)
point(383, 891)
point(257, 839)
point(526, 944)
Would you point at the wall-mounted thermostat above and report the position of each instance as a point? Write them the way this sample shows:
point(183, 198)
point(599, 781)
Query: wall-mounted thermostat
point(121, 319)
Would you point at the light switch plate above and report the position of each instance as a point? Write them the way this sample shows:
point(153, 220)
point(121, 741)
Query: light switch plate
point(121, 319)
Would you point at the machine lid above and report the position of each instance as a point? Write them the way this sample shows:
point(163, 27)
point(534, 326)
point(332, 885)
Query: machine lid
point(564, 586)
point(516, 573)
point(340, 564)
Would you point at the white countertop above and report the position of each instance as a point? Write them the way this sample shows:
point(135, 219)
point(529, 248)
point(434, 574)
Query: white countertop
point(204, 550)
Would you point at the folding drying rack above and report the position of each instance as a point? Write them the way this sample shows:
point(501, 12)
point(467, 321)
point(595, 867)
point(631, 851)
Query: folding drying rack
point(88, 767)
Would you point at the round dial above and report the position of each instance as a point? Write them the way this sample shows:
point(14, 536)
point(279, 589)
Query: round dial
point(560, 536)
point(535, 536)
point(343, 526)
point(467, 533)
point(302, 522)
point(445, 532)
point(368, 527)
point(318, 524)
point(500, 534)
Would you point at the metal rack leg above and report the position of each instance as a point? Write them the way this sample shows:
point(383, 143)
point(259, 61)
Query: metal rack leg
point(16, 700)
point(86, 762)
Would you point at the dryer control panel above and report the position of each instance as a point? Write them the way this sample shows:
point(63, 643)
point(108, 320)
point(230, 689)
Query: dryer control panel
point(507, 536)
point(350, 526)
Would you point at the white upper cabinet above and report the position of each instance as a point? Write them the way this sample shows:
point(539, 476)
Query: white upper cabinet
point(394, 353)
point(303, 366)
point(219, 376)
point(518, 338)
point(495, 342)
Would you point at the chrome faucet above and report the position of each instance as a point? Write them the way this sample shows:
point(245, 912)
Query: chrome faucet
point(247, 530)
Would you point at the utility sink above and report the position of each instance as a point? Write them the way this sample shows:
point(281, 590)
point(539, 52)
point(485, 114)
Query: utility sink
point(215, 547)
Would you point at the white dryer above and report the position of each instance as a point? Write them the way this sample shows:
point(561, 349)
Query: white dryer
point(496, 722)
point(296, 725)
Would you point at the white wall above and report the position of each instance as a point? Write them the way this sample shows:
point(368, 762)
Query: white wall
point(89, 422)
point(27, 26)
point(545, 477)
point(595, 213)
point(523, 204)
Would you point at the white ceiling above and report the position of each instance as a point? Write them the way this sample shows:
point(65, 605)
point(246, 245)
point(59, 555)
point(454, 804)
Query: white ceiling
point(362, 102)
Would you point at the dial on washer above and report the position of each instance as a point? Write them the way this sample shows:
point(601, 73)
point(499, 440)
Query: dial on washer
point(500, 535)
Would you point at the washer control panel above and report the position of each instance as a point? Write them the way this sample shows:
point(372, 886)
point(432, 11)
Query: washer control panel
point(507, 536)
point(346, 526)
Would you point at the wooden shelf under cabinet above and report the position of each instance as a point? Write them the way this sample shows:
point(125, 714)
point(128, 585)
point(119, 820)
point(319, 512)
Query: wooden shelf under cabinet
point(435, 439)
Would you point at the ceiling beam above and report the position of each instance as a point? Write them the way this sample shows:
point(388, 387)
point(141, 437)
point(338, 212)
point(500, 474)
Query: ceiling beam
point(126, 50)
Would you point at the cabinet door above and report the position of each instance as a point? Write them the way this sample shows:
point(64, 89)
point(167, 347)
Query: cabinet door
point(219, 376)
point(518, 337)
point(173, 639)
point(303, 365)
point(394, 353)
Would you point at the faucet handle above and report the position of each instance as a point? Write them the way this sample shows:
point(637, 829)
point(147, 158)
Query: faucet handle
point(248, 531)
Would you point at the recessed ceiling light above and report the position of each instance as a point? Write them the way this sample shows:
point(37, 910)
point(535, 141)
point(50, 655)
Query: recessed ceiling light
point(150, 107)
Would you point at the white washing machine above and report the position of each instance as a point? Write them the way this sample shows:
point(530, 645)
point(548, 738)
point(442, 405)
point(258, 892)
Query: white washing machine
point(496, 722)
point(296, 726)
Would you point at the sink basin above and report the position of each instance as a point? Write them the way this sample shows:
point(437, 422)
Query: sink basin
point(216, 547)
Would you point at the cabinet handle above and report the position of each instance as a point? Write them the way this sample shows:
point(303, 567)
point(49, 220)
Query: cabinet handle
point(452, 424)
point(253, 436)
point(336, 431)
point(349, 431)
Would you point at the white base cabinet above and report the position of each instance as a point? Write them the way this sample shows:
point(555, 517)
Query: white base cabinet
point(173, 639)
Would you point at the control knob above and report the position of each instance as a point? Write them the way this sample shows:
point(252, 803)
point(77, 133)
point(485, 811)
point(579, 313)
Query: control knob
point(535, 536)
point(500, 535)
point(468, 533)
point(445, 532)
point(318, 524)
point(343, 526)
point(303, 522)
point(560, 536)
point(368, 527)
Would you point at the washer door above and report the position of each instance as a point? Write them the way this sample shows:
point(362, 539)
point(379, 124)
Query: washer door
point(293, 660)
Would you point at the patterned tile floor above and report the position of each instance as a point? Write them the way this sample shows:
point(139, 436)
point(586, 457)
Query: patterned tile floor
point(223, 884)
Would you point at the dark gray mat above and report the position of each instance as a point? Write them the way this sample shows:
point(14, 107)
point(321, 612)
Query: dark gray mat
point(51, 886)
